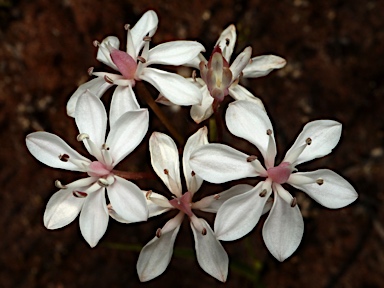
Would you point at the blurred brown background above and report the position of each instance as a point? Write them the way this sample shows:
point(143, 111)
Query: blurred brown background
point(335, 69)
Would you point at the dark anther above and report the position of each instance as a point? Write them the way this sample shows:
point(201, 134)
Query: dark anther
point(148, 194)
point(294, 202)
point(251, 158)
point(269, 132)
point(147, 38)
point(308, 141)
point(227, 41)
point(166, 172)
point(79, 194)
point(158, 232)
point(193, 173)
point(141, 59)
point(320, 181)
point(108, 79)
point(263, 193)
point(216, 196)
point(64, 157)
point(204, 232)
point(90, 71)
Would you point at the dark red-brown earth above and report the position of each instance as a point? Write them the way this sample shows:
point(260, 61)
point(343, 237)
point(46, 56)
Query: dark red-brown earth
point(335, 69)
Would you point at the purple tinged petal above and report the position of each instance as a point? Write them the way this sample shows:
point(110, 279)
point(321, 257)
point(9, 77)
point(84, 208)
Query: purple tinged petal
point(94, 217)
point(240, 62)
point(240, 214)
point(165, 161)
point(198, 139)
point(156, 255)
point(62, 208)
point(174, 87)
point(218, 163)
point(127, 133)
point(47, 148)
point(319, 136)
point(247, 120)
point(283, 229)
point(123, 100)
point(128, 200)
point(97, 86)
point(263, 65)
point(174, 53)
point(91, 118)
point(327, 187)
point(210, 254)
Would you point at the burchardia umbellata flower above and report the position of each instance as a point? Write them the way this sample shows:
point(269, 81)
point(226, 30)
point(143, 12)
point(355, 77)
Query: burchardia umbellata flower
point(284, 227)
point(133, 65)
point(87, 195)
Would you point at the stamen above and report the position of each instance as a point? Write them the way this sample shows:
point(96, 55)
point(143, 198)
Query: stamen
point(127, 26)
point(90, 70)
point(64, 157)
point(96, 43)
point(269, 158)
point(227, 42)
point(193, 173)
point(59, 185)
point(103, 182)
point(148, 194)
point(294, 202)
point(108, 79)
point(158, 232)
point(216, 196)
point(204, 231)
point(82, 137)
point(251, 158)
point(79, 194)
point(269, 132)
point(263, 193)
point(308, 141)
point(147, 38)
point(166, 172)
point(320, 181)
point(141, 59)
point(105, 146)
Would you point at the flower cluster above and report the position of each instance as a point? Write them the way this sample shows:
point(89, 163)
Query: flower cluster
point(105, 192)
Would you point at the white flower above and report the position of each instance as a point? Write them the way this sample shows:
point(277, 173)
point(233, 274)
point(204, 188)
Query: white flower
point(284, 227)
point(87, 196)
point(133, 66)
point(219, 79)
point(156, 255)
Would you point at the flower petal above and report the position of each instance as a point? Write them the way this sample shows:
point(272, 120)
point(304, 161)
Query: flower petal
point(263, 65)
point(238, 92)
point(97, 86)
point(123, 100)
point(323, 135)
point(203, 111)
point(94, 217)
point(128, 200)
point(47, 148)
point(103, 53)
point(127, 133)
point(227, 41)
point(146, 26)
point(213, 203)
point(247, 120)
point(91, 118)
point(156, 255)
point(62, 208)
point(327, 187)
point(240, 214)
point(283, 229)
point(165, 161)
point(174, 87)
point(219, 163)
point(210, 253)
point(240, 62)
point(198, 139)
point(174, 53)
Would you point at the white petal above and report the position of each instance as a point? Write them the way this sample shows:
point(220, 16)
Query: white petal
point(324, 135)
point(62, 208)
point(156, 255)
point(247, 120)
point(283, 229)
point(263, 65)
point(146, 26)
point(203, 111)
point(94, 217)
point(97, 86)
point(210, 253)
point(238, 92)
point(174, 53)
point(47, 148)
point(227, 41)
point(127, 133)
point(240, 62)
point(333, 191)
point(103, 54)
point(174, 87)
point(165, 161)
point(218, 163)
point(91, 118)
point(195, 141)
point(123, 100)
point(153, 204)
point(213, 203)
point(195, 62)
point(128, 200)
point(240, 214)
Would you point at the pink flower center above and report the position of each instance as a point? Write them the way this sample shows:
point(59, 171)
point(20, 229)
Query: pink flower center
point(183, 203)
point(97, 169)
point(125, 63)
point(281, 173)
